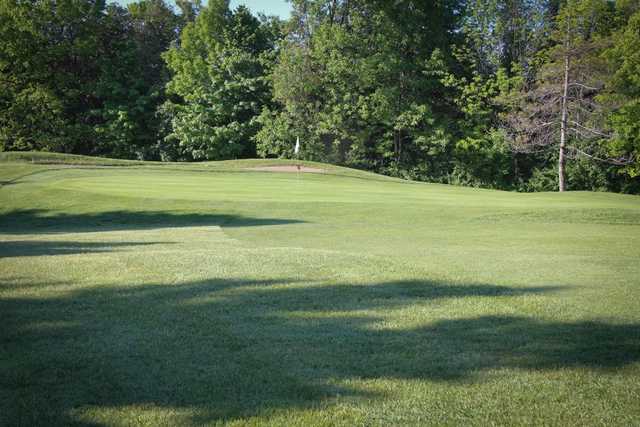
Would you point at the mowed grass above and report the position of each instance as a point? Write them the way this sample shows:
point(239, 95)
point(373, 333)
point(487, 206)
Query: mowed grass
point(150, 294)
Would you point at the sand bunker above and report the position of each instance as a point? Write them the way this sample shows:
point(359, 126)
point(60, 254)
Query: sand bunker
point(288, 168)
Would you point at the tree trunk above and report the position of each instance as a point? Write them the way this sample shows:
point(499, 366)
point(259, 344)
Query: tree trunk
point(563, 121)
point(396, 145)
point(332, 12)
point(344, 19)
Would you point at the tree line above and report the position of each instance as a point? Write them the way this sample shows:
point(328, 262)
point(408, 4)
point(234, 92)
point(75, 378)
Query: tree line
point(524, 95)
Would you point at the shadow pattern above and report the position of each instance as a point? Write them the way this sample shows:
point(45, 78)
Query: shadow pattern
point(233, 348)
point(27, 248)
point(31, 221)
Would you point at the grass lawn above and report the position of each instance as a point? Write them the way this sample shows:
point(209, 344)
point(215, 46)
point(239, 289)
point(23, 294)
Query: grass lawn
point(166, 294)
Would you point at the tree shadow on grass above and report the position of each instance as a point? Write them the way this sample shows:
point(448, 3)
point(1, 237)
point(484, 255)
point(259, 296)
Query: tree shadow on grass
point(26, 248)
point(29, 221)
point(19, 179)
point(227, 349)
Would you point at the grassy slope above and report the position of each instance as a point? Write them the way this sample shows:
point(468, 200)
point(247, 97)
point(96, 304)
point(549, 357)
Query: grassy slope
point(203, 293)
point(41, 158)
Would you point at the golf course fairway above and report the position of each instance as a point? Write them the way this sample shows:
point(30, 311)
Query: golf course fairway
point(154, 294)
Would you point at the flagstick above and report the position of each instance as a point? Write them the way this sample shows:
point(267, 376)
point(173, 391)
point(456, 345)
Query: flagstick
point(296, 151)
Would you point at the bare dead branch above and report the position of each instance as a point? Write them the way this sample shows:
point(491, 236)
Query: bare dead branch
point(590, 130)
point(583, 86)
point(618, 161)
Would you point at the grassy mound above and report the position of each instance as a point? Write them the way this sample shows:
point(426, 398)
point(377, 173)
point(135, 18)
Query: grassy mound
point(42, 158)
point(39, 157)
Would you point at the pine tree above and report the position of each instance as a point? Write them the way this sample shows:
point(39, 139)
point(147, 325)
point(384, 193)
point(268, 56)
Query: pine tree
point(560, 110)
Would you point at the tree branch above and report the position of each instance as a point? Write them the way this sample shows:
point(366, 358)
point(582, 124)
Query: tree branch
point(583, 86)
point(593, 131)
point(618, 161)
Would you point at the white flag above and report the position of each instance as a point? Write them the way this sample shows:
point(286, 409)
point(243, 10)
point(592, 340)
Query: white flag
point(297, 149)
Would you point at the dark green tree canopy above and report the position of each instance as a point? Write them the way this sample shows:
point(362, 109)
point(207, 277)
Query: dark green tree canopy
point(452, 91)
point(220, 70)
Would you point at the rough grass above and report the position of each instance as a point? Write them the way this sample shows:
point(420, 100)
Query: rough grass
point(206, 294)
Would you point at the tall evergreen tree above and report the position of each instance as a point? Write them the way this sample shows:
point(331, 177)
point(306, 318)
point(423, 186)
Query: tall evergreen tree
point(560, 110)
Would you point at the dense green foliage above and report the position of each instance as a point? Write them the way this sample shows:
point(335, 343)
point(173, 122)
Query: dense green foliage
point(220, 74)
point(451, 91)
point(625, 88)
point(78, 77)
point(228, 296)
